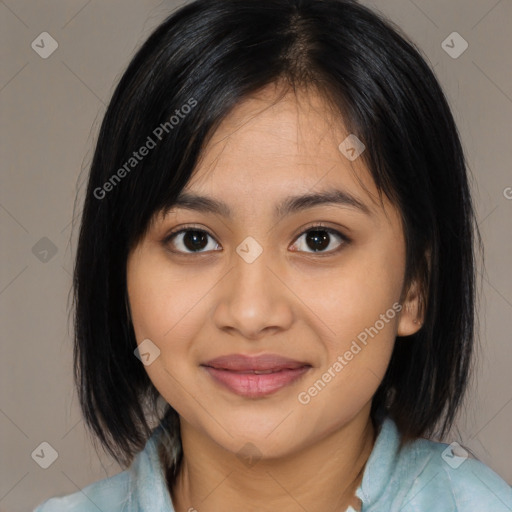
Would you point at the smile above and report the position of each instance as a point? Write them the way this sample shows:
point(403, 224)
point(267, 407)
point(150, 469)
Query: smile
point(255, 376)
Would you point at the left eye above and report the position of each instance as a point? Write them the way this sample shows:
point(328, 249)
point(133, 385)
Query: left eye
point(317, 239)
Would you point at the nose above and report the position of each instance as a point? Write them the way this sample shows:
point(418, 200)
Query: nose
point(253, 299)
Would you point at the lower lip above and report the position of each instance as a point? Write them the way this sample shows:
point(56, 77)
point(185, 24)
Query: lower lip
point(254, 385)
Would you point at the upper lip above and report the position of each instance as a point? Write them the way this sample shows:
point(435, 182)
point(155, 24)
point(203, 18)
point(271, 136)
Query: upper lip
point(241, 362)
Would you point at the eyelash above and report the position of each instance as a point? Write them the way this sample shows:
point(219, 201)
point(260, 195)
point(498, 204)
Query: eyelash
point(316, 227)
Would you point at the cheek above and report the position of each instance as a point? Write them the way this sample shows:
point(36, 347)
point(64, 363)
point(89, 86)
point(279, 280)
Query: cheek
point(356, 313)
point(170, 308)
point(354, 367)
point(165, 304)
point(352, 295)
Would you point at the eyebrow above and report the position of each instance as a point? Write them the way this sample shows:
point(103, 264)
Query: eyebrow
point(290, 205)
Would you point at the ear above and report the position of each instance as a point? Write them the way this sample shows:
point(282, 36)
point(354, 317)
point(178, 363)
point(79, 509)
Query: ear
point(411, 316)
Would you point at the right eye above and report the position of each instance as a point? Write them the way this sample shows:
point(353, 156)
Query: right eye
point(188, 239)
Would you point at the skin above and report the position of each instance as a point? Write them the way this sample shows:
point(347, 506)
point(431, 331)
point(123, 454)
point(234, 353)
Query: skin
point(291, 300)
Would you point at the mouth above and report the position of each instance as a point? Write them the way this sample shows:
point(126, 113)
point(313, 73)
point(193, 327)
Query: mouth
point(255, 376)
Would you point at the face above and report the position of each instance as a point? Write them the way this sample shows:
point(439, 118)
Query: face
point(308, 291)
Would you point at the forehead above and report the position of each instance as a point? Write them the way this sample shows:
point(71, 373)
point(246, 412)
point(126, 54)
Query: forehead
point(274, 144)
point(275, 155)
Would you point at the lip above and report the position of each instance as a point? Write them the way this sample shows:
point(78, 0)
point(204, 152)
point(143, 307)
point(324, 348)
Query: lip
point(241, 374)
point(263, 362)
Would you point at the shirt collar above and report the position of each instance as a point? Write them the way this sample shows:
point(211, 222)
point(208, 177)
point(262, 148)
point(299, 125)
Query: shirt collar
point(380, 464)
point(148, 486)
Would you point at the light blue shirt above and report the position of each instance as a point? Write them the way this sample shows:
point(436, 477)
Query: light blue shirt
point(425, 476)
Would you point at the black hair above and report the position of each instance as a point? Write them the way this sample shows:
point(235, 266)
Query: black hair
point(201, 62)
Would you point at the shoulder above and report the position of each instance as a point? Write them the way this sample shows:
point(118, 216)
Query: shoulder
point(447, 478)
point(426, 475)
point(112, 494)
point(142, 486)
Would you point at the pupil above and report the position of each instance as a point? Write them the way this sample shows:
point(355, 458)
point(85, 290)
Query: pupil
point(191, 239)
point(321, 241)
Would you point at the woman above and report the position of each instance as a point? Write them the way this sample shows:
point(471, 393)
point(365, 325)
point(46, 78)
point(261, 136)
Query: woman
point(277, 247)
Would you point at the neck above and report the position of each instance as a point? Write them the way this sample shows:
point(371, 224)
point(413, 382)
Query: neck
point(321, 476)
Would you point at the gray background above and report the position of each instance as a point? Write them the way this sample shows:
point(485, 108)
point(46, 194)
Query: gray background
point(51, 110)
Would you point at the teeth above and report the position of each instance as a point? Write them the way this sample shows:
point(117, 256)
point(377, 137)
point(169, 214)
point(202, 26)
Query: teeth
point(258, 372)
